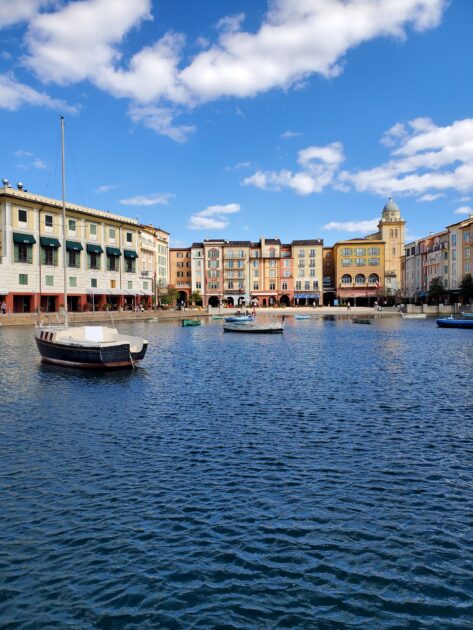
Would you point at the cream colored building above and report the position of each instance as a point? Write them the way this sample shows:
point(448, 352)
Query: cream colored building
point(99, 257)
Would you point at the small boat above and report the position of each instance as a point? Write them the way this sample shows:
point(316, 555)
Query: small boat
point(466, 314)
point(302, 317)
point(237, 319)
point(217, 316)
point(450, 322)
point(191, 322)
point(271, 327)
point(92, 347)
point(413, 315)
point(361, 320)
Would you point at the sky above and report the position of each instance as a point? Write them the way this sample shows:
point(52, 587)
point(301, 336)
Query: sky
point(238, 119)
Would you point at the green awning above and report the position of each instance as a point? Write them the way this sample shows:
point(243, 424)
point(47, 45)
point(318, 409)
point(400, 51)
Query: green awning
point(27, 239)
point(46, 241)
point(130, 253)
point(94, 249)
point(113, 251)
point(74, 246)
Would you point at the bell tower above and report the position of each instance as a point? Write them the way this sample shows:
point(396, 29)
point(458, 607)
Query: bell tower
point(392, 231)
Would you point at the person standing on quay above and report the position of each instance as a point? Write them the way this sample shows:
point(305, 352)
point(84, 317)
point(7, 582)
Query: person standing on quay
point(3, 307)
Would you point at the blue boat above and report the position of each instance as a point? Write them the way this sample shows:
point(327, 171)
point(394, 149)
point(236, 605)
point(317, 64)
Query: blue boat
point(237, 319)
point(449, 322)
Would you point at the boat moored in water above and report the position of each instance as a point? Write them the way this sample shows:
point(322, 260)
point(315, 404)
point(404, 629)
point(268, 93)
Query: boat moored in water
point(361, 320)
point(238, 319)
point(302, 317)
point(191, 322)
point(450, 322)
point(252, 327)
point(93, 347)
point(413, 315)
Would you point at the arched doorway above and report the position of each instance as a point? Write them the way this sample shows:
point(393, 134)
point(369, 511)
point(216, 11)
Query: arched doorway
point(214, 300)
point(230, 302)
point(182, 297)
point(241, 301)
point(285, 299)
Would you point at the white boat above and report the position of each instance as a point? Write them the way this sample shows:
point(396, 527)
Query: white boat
point(253, 328)
point(302, 317)
point(413, 315)
point(96, 347)
point(464, 314)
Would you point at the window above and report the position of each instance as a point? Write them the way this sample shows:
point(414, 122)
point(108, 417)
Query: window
point(346, 278)
point(180, 274)
point(130, 265)
point(272, 252)
point(454, 240)
point(93, 230)
point(48, 220)
point(113, 284)
point(312, 263)
point(179, 255)
point(255, 286)
point(214, 264)
point(298, 285)
point(73, 258)
point(301, 264)
point(229, 264)
point(94, 261)
point(93, 283)
point(213, 253)
point(179, 265)
point(360, 251)
point(23, 278)
point(198, 285)
point(346, 251)
point(394, 251)
point(130, 284)
point(360, 279)
point(111, 234)
point(214, 285)
point(467, 266)
point(72, 225)
point(312, 253)
point(256, 273)
point(373, 279)
point(112, 263)
point(129, 237)
point(255, 254)
point(454, 254)
point(72, 282)
point(213, 274)
point(312, 273)
point(286, 264)
point(272, 273)
point(49, 256)
point(230, 284)
point(301, 253)
point(315, 285)
point(283, 286)
point(255, 263)
point(467, 252)
point(145, 286)
point(347, 262)
point(466, 236)
point(286, 273)
point(360, 262)
point(272, 286)
point(49, 281)
point(188, 274)
point(306, 285)
point(23, 253)
point(22, 216)
point(373, 262)
point(188, 254)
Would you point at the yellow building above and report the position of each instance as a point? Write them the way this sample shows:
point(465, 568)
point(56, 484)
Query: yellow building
point(359, 270)
point(307, 256)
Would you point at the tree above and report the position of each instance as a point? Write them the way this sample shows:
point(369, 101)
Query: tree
point(170, 297)
point(196, 298)
point(436, 289)
point(466, 288)
point(160, 285)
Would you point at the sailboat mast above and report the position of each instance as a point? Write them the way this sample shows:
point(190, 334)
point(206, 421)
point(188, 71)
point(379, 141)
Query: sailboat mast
point(64, 253)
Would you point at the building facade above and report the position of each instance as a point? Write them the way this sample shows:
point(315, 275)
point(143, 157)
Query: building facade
point(180, 272)
point(98, 259)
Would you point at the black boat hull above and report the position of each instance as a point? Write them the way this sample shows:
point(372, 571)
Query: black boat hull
point(96, 358)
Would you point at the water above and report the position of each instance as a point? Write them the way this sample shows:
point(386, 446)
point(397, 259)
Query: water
point(318, 479)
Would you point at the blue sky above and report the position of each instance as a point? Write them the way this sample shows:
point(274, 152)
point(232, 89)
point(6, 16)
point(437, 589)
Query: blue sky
point(239, 118)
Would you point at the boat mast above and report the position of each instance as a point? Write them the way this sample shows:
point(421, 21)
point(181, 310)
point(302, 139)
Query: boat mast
point(64, 256)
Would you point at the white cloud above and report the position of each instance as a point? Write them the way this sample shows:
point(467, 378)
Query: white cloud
point(14, 11)
point(212, 217)
point(464, 210)
point(156, 199)
point(319, 166)
point(290, 134)
point(425, 160)
point(431, 197)
point(21, 153)
point(160, 120)
point(39, 164)
point(106, 188)
point(362, 227)
point(82, 40)
point(238, 166)
point(14, 95)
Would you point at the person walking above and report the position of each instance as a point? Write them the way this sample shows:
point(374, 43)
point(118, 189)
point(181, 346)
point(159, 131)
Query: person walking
point(3, 307)
point(348, 305)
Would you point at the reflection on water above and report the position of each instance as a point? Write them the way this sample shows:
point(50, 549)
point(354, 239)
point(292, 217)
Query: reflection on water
point(321, 478)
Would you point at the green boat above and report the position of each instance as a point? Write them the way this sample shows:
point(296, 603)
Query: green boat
point(191, 322)
point(217, 316)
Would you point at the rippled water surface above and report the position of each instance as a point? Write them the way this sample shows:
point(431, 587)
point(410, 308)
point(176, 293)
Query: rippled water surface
point(322, 478)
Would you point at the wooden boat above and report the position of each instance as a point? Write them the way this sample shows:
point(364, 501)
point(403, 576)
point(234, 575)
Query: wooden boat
point(253, 328)
point(302, 317)
point(450, 322)
point(413, 315)
point(191, 322)
point(238, 319)
point(361, 320)
point(93, 347)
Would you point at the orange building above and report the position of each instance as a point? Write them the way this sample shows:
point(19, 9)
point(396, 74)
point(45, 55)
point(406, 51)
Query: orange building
point(180, 275)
